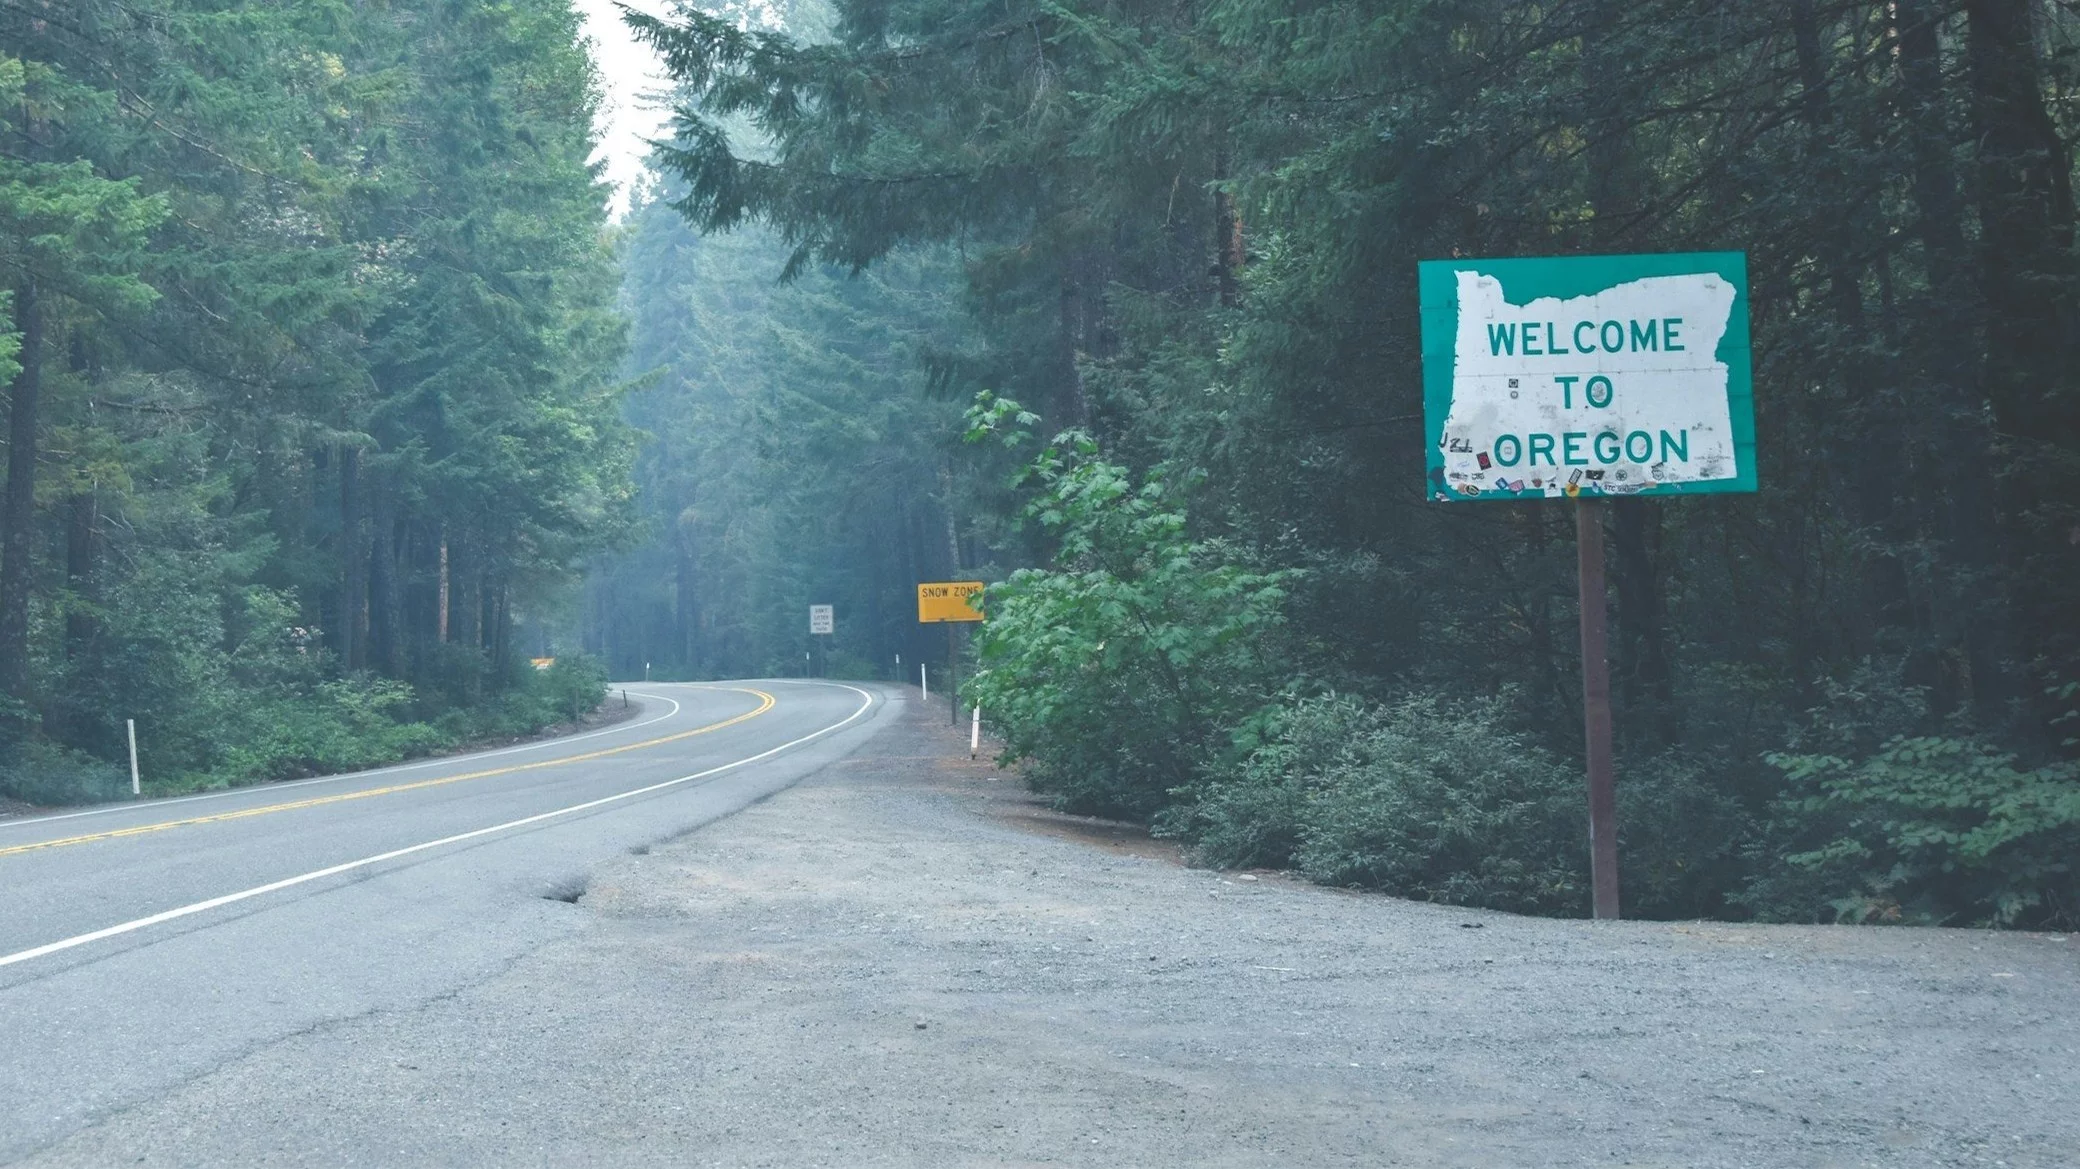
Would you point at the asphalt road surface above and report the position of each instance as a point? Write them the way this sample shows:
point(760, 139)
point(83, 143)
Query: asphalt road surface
point(143, 945)
point(903, 960)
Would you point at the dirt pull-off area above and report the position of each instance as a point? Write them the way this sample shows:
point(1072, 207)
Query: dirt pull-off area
point(922, 982)
point(883, 967)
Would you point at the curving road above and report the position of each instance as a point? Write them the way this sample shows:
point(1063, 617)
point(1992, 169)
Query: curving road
point(144, 944)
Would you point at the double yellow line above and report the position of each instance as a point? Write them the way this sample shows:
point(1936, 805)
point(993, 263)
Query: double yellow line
point(765, 704)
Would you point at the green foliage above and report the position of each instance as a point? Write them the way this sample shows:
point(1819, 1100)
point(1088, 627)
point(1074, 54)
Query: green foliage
point(573, 685)
point(1939, 830)
point(1117, 668)
point(45, 774)
point(795, 454)
point(1423, 799)
point(345, 725)
point(1682, 830)
point(312, 362)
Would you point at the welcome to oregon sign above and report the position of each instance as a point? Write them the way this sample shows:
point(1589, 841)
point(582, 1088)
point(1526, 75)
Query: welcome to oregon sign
point(1597, 375)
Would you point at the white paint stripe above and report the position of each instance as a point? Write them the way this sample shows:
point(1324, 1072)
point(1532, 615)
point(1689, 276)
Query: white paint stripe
point(379, 858)
point(253, 789)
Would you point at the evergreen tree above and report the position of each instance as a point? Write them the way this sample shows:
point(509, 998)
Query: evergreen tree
point(313, 393)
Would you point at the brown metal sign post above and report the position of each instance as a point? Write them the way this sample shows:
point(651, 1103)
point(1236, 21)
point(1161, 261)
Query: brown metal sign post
point(952, 601)
point(1579, 378)
point(1596, 706)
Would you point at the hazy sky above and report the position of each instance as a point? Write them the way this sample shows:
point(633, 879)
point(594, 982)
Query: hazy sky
point(629, 70)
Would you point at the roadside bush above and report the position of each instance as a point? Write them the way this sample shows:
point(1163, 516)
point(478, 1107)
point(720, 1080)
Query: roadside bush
point(165, 657)
point(45, 774)
point(1118, 671)
point(1422, 799)
point(1888, 813)
point(1681, 836)
point(345, 725)
point(573, 687)
point(1933, 830)
point(853, 667)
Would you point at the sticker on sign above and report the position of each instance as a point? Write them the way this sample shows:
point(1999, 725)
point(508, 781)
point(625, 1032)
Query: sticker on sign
point(1597, 375)
point(820, 619)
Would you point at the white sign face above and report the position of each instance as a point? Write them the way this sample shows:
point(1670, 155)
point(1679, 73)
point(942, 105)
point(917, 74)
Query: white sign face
point(820, 620)
point(1608, 375)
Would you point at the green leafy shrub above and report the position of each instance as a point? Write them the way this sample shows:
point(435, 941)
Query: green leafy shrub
point(345, 725)
point(45, 774)
point(529, 699)
point(1117, 670)
point(574, 686)
point(1681, 836)
point(1935, 829)
point(1420, 798)
point(853, 667)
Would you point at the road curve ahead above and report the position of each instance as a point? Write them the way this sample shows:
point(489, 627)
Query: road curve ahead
point(144, 944)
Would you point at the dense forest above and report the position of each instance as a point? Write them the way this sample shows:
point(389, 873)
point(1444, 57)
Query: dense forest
point(312, 363)
point(1114, 304)
point(334, 396)
point(794, 455)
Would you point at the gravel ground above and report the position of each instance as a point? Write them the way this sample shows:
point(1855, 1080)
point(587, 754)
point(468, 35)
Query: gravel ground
point(904, 962)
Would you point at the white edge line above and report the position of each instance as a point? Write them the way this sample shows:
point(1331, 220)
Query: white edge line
point(252, 788)
point(334, 870)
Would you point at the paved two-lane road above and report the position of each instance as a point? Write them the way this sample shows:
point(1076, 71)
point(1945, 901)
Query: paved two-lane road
point(142, 945)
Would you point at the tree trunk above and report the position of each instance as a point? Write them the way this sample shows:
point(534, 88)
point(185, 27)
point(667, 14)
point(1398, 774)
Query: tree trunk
point(469, 607)
point(1614, 188)
point(469, 595)
point(350, 637)
point(500, 632)
point(18, 522)
point(2025, 227)
point(440, 633)
point(2030, 279)
point(83, 518)
point(1872, 448)
point(908, 640)
point(382, 580)
point(1074, 398)
point(953, 531)
point(686, 600)
point(1227, 234)
point(1965, 445)
point(385, 581)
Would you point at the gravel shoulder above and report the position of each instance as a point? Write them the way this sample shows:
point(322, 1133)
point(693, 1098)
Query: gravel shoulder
point(888, 965)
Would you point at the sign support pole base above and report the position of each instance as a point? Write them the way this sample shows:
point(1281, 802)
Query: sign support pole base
point(1596, 707)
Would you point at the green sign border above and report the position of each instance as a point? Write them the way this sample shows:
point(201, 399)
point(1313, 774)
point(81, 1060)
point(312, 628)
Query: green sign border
point(1529, 279)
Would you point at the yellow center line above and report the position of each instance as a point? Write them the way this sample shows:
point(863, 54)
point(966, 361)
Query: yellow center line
point(765, 704)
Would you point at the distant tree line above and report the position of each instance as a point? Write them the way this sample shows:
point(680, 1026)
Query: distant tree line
point(796, 453)
point(310, 358)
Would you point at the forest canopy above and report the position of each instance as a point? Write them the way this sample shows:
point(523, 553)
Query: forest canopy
point(312, 363)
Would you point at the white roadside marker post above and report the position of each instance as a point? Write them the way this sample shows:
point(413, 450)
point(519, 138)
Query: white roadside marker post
point(136, 788)
point(924, 681)
point(975, 733)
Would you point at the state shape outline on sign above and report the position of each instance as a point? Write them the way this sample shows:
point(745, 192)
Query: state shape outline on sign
point(1515, 352)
